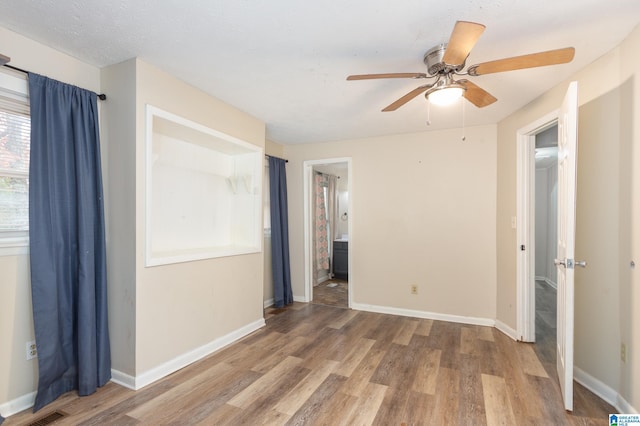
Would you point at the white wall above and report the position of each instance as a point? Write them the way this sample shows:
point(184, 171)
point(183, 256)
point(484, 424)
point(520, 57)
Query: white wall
point(343, 207)
point(546, 221)
point(423, 213)
point(17, 375)
point(542, 204)
point(552, 224)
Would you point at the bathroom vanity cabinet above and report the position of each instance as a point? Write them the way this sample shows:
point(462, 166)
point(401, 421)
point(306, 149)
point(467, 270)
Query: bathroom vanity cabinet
point(341, 259)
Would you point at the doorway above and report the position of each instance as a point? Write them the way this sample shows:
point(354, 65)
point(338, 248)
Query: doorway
point(328, 236)
point(566, 118)
point(526, 224)
point(545, 245)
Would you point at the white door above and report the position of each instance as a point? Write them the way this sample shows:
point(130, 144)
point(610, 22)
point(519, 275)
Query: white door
point(567, 150)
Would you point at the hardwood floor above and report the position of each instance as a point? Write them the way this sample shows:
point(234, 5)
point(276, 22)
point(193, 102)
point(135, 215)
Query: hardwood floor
point(315, 364)
point(546, 326)
point(327, 293)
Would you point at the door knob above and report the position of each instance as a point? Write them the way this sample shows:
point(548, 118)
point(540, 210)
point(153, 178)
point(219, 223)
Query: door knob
point(570, 263)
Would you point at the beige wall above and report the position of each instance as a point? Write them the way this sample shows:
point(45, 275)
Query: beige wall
point(17, 375)
point(423, 213)
point(630, 216)
point(598, 233)
point(156, 314)
point(607, 215)
point(184, 306)
point(120, 176)
point(427, 210)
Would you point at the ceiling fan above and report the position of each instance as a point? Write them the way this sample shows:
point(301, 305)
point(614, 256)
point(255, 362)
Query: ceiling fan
point(448, 60)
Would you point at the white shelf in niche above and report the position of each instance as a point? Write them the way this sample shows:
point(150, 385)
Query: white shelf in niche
point(203, 191)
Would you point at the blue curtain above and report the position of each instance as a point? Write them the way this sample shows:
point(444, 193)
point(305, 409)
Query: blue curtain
point(66, 241)
point(282, 293)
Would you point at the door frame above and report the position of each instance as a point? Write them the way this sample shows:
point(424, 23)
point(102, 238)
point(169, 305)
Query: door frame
point(308, 241)
point(525, 229)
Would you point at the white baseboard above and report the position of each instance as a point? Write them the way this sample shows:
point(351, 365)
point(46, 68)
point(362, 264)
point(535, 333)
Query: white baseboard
point(123, 379)
point(137, 382)
point(16, 405)
point(26, 401)
point(608, 394)
point(271, 302)
point(505, 329)
point(422, 314)
point(624, 407)
point(183, 360)
point(547, 281)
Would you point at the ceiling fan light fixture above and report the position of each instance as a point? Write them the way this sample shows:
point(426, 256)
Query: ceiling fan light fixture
point(445, 94)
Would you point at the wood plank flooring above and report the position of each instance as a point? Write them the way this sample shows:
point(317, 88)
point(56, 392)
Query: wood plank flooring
point(326, 293)
point(321, 365)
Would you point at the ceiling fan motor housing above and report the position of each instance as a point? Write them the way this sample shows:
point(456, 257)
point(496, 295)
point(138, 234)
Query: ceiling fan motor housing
point(435, 64)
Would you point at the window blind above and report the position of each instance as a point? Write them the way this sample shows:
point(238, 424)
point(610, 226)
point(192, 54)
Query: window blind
point(15, 130)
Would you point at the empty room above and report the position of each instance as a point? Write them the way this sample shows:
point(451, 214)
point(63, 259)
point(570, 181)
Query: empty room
point(361, 212)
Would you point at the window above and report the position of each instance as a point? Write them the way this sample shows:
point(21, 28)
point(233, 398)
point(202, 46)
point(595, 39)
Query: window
point(15, 128)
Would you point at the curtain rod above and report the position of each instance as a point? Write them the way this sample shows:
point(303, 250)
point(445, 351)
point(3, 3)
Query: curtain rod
point(273, 156)
point(327, 174)
point(101, 96)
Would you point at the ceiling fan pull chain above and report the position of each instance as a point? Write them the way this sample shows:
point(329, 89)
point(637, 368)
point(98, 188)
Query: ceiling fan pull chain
point(464, 138)
point(428, 113)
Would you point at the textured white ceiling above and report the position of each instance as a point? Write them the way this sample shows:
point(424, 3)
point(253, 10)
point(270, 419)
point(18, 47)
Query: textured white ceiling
point(285, 61)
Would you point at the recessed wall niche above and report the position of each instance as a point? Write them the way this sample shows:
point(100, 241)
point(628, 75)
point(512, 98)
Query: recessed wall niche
point(203, 191)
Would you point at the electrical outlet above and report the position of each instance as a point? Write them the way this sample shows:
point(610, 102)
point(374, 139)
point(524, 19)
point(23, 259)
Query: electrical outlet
point(623, 352)
point(414, 289)
point(32, 350)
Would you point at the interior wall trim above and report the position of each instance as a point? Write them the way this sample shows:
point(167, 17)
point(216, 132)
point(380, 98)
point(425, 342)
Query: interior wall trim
point(604, 391)
point(138, 382)
point(181, 361)
point(268, 303)
point(424, 314)
point(506, 330)
point(14, 406)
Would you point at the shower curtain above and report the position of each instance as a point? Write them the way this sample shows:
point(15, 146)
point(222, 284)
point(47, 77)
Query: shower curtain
point(332, 204)
point(321, 233)
point(325, 221)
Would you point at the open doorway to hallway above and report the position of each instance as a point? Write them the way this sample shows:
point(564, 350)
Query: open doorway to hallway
point(545, 241)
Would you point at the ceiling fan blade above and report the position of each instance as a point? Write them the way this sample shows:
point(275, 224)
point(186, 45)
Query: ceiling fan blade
point(463, 38)
point(476, 95)
point(406, 98)
point(541, 59)
point(388, 75)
